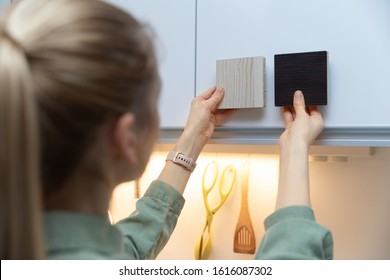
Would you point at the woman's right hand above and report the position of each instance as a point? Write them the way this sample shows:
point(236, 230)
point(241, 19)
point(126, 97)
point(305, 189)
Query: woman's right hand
point(303, 124)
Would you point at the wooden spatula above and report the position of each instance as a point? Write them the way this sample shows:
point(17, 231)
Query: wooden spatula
point(244, 236)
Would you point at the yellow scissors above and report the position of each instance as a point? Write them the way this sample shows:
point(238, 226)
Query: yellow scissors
point(225, 186)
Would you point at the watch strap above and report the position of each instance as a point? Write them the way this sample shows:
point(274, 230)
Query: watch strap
point(182, 160)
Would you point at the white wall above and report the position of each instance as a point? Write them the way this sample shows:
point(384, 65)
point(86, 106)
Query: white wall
point(352, 199)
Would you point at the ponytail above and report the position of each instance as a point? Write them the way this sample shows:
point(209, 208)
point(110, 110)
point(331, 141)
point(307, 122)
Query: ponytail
point(20, 188)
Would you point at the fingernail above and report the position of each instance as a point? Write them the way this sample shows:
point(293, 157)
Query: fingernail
point(298, 94)
point(219, 90)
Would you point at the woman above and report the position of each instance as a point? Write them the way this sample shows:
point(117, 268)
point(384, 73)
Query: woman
point(78, 115)
point(79, 90)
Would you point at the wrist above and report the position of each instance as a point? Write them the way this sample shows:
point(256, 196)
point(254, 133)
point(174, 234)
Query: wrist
point(294, 153)
point(181, 159)
point(189, 144)
point(292, 146)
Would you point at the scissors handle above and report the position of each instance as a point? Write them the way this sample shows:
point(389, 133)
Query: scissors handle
point(227, 181)
point(211, 168)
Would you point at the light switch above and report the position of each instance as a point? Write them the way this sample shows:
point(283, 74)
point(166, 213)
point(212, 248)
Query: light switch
point(244, 82)
point(307, 72)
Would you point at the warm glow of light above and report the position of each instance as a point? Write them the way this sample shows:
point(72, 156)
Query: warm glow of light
point(262, 188)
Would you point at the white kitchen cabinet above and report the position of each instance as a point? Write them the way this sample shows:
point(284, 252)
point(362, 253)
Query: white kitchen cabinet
point(356, 35)
point(4, 3)
point(191, 35)
point(173, 25)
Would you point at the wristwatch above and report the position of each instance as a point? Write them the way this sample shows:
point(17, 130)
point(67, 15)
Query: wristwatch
point(182, 160)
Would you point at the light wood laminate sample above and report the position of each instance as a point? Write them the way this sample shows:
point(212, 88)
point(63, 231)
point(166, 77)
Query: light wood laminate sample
point(244, 82)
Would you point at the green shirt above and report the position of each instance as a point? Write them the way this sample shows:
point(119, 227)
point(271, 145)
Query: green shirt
point(291, 232)
point(142, 235)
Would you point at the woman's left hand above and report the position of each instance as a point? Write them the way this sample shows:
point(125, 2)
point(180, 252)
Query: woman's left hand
point(203, 117)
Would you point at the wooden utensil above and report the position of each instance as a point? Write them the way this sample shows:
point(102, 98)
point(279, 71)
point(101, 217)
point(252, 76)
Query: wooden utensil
point(137, 188)
point(244, 236)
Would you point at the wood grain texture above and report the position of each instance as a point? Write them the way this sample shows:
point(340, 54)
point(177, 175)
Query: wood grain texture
point(244, 234)
point(307, 72)
point(244, 82)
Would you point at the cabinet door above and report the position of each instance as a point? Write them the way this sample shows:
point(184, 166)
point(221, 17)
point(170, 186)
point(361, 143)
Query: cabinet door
point(356, 35)
point(4, 3)
point(173, 22)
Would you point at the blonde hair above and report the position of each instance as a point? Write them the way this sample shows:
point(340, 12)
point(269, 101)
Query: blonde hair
point(66, 67)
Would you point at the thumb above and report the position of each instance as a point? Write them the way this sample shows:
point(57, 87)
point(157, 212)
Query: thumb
point(215, 99)
point(299, 102)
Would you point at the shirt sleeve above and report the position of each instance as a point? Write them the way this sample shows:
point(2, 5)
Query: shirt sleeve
point(292, 233)
point(148, 228)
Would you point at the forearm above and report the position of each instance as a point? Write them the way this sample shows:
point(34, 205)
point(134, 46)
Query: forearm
point(293, 176)
point(176, 175)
